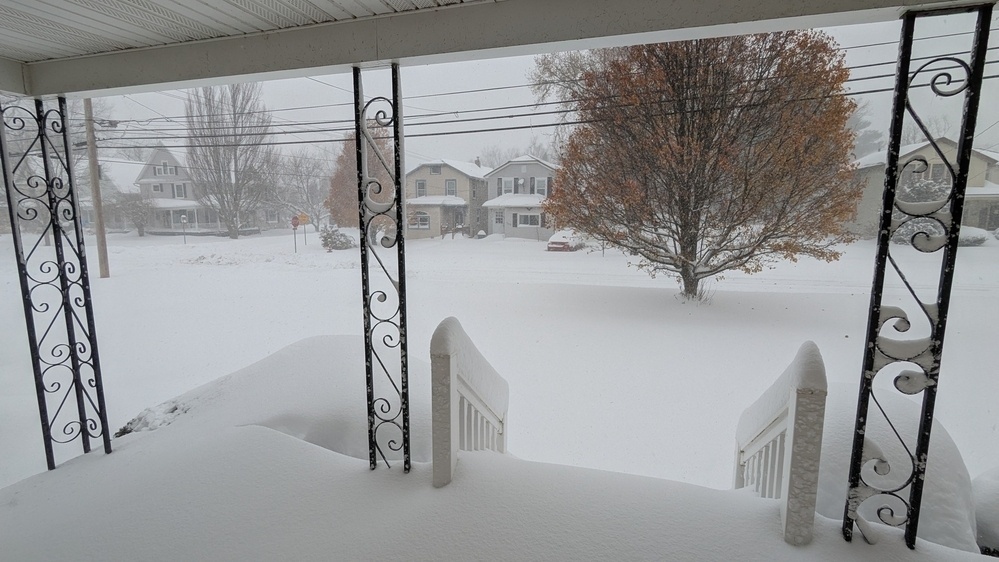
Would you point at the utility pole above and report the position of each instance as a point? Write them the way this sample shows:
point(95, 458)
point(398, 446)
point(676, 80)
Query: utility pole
point(95, 190)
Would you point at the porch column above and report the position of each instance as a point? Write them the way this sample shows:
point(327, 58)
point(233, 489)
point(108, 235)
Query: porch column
point(52, 269)
point(898, 503)
point(381, 212)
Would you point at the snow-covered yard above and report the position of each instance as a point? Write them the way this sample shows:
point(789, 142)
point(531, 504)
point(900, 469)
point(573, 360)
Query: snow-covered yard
point(607, 370)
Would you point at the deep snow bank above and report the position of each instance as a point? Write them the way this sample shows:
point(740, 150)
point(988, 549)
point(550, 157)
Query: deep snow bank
point(947, 515)
point(219, 482)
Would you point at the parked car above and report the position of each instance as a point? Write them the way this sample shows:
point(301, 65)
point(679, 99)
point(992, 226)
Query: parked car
point(565, 241)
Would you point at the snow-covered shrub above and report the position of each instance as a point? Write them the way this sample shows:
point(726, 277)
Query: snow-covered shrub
point(986, 490)
point(914, 189)
point(971, 236)
point(332, 239)
point(904, 233)
point(948, 514)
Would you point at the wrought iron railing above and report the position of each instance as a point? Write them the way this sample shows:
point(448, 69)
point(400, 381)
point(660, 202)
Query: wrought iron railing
point(52, 269)
point(914, 361)
point(383, 269)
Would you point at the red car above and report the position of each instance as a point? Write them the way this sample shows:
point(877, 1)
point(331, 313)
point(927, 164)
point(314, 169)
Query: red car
point(564, 241)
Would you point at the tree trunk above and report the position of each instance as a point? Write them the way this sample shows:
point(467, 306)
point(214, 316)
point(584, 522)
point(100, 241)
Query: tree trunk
point(142, 230)
point(691, 283)
point(233, 232)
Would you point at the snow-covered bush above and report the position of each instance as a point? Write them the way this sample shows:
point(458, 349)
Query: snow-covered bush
point(971, 236)
point(332, 239)
point(904, 233)
point(914, 189)
point(948, 514)
point(986, 490)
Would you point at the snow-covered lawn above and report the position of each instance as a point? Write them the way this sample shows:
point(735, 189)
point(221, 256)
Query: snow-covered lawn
point(607, 369)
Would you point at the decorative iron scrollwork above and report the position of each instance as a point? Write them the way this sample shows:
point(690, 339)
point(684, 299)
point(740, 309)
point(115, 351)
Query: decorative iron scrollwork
point(935, 227)
point(380, 209)
point(52, 267)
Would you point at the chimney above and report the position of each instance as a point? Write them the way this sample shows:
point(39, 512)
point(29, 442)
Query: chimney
point(478, 164)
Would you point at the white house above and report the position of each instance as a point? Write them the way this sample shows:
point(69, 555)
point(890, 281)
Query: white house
point(517, 191)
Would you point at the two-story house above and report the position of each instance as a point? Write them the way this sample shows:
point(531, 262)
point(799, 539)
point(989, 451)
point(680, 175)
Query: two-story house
point(166, 182)
point(517, 190)
point(445, 196)
point(981, 204)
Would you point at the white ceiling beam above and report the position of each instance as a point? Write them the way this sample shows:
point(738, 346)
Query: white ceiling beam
point(463, 32)
point(12, 76)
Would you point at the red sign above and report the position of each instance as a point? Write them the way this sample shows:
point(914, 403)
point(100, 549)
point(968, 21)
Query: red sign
point(294, 221)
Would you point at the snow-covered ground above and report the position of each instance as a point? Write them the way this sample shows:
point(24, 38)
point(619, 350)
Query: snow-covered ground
point(253, 470)
point(607, 369)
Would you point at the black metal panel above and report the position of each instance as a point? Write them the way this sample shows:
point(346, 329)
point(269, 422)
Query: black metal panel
point(935, 228)
point(52, 270)
point(383, 269)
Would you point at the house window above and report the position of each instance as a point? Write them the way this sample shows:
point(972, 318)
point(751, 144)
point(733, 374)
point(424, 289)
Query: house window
point(937, 172)
point(173, 170)
point(270, 216)
point(435, 170)
point(421, 188)
point(158, 187)
point(179, 190)
point(528, 220)
point(158, 171)
point(507, 185)
point(451, 187)
point(498, 218)
point(419, 221)
point(541, 186)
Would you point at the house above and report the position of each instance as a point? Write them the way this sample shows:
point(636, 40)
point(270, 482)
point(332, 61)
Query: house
point(981, 204)
point(445, 196)
point(165, 180)
point(115, 176)
point(517, 190)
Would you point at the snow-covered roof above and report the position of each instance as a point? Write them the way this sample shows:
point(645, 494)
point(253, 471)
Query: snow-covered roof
point(988, 190)
point(525, 159)
point(437, 201)
point(470, 169)
point(881, 157)
point(123, 173)
point(158, 156)
point(175, 203)
point(516, 200)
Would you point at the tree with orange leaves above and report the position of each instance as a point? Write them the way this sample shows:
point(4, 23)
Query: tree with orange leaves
point(706, 156)
point(342, 200)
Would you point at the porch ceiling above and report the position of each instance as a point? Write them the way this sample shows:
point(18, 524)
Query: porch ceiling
point(84, 46)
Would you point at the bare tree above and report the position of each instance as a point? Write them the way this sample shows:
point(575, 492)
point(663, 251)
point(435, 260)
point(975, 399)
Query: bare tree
point(304, 181)
point(231, 166)
point(493, 155)
point(866, 139)
point(938, 126)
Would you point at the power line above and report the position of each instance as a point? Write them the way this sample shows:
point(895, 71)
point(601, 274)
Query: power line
point(533, 84)
point(516, 127)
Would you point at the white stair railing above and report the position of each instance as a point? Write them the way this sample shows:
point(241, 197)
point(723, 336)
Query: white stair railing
point(469, 400)
point(779, 440)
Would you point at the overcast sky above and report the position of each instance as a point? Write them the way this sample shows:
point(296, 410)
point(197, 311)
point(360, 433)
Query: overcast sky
point(428, 90)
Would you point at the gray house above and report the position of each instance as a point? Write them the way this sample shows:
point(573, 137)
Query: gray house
point(981, 207)
point(166, 182)
point(517, 191)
